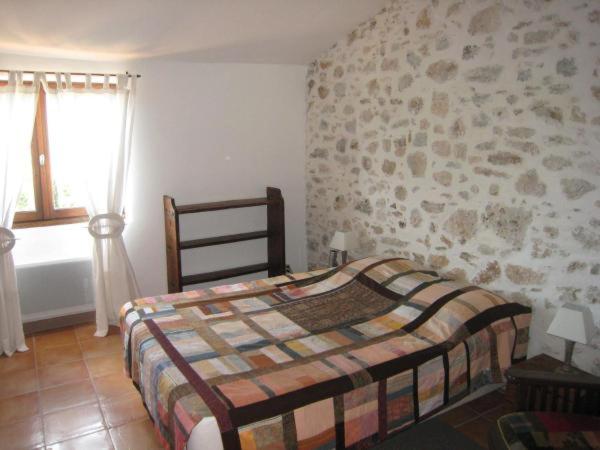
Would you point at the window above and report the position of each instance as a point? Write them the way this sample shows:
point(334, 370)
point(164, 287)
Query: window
point(51, 192)
point(48, 195)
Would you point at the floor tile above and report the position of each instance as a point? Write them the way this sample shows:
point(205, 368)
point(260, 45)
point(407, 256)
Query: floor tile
point(95, 441)
point(55, 338)
point(457, 416)
point(18, 383)
point(19, 408)
point(487, 402)
point(476, 430)
point(105, 365)
point(58, 355)
point(114, 385)
point(511, 393)
point(26, 434)
point(504, 408)
point(86, 331)
point(72, 423)
point(62, 374)
point(120, 410)
point(67, 396)
point(135, 436)
point(17, 362)
point(94, 347)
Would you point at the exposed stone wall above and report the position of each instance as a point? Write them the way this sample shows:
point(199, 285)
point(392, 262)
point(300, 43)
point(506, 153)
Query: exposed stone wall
point(466, 135)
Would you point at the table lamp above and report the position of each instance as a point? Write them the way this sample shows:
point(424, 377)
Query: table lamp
point(342, 242)
point(574, 324)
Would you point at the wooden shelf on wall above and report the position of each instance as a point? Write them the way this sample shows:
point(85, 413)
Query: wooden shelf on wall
point(220, 240)
point(222, 274)
point(216, 206)
point(275, 235)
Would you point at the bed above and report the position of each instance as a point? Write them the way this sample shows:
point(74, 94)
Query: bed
point(339, 358)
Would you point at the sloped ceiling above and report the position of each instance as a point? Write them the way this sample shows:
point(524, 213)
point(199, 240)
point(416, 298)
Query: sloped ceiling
point(252, 31)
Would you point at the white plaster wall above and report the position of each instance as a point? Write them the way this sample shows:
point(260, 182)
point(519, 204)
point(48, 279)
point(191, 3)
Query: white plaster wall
point(202, 132)
point(220, 132)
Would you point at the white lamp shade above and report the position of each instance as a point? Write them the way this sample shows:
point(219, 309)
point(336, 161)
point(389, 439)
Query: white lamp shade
point(574, 323)
point(342, 240)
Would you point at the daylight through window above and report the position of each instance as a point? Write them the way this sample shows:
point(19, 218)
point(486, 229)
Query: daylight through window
point(52, 190)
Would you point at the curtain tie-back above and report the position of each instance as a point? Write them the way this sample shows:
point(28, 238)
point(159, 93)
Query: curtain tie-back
point(106, 226)
point(7, 240)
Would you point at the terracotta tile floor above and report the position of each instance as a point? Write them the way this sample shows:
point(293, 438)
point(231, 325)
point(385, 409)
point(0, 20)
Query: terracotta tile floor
point(69, 392)
point(475, 418)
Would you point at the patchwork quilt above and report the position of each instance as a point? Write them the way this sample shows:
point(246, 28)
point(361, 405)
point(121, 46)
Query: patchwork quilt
point(340, 358)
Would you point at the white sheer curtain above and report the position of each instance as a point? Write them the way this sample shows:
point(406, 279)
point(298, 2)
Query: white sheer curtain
point(17, 116)
point(93, 125)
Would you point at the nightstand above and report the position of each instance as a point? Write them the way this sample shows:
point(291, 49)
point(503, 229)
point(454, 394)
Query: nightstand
point(551, 404)
point(541, 379)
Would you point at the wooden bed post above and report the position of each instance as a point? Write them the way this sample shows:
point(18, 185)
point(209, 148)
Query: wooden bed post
point(172, 245)
point(276, 231)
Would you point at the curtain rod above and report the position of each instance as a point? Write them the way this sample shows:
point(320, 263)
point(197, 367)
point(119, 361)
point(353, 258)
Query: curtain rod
point(72, 73)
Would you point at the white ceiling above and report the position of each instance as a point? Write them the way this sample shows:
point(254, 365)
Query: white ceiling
point(253, 31)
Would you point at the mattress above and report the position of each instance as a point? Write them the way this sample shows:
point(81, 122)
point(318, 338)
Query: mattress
point(341, 358)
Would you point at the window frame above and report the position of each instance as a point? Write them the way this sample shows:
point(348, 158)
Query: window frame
point(45, 214)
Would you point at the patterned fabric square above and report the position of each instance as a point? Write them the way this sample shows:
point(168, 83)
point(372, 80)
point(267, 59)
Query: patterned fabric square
point(431, 294)
point(479, 354)
point(374, 354)
point(278, 326)
point(310, 345)
point(356, 302)
point(193, 348)
point(267, 434)
point(238, 334)
point(223, 365)
point(251, 304)
point(404, 284)
point(315, 425)
point(396, 268)
point(400, 401)
point(481, 300)
point(361, 413)
point(276, 354)
point(385, 324)
point(258, 359)
point(505, 339)
point(458, 376)
point(296, 377)
point(213, 310)
point(431, 385)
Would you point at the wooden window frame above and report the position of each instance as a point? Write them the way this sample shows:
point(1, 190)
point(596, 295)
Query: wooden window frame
point(45, 214)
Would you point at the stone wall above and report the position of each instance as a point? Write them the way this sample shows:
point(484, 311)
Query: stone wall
point(466, 135)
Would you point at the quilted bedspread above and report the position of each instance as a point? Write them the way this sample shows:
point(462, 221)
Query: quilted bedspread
point(331, 359)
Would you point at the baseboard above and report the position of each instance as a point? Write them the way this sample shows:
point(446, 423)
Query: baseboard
point(58, 318)
point(57, 313)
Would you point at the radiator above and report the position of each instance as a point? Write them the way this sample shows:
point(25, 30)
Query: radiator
point(55, 289)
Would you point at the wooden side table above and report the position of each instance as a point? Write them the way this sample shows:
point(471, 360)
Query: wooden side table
point(541, 384)
point(547, 396)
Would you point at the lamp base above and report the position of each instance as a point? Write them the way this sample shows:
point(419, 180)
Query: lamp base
point(567, 367)
point(569, 345)
point(333, 254)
